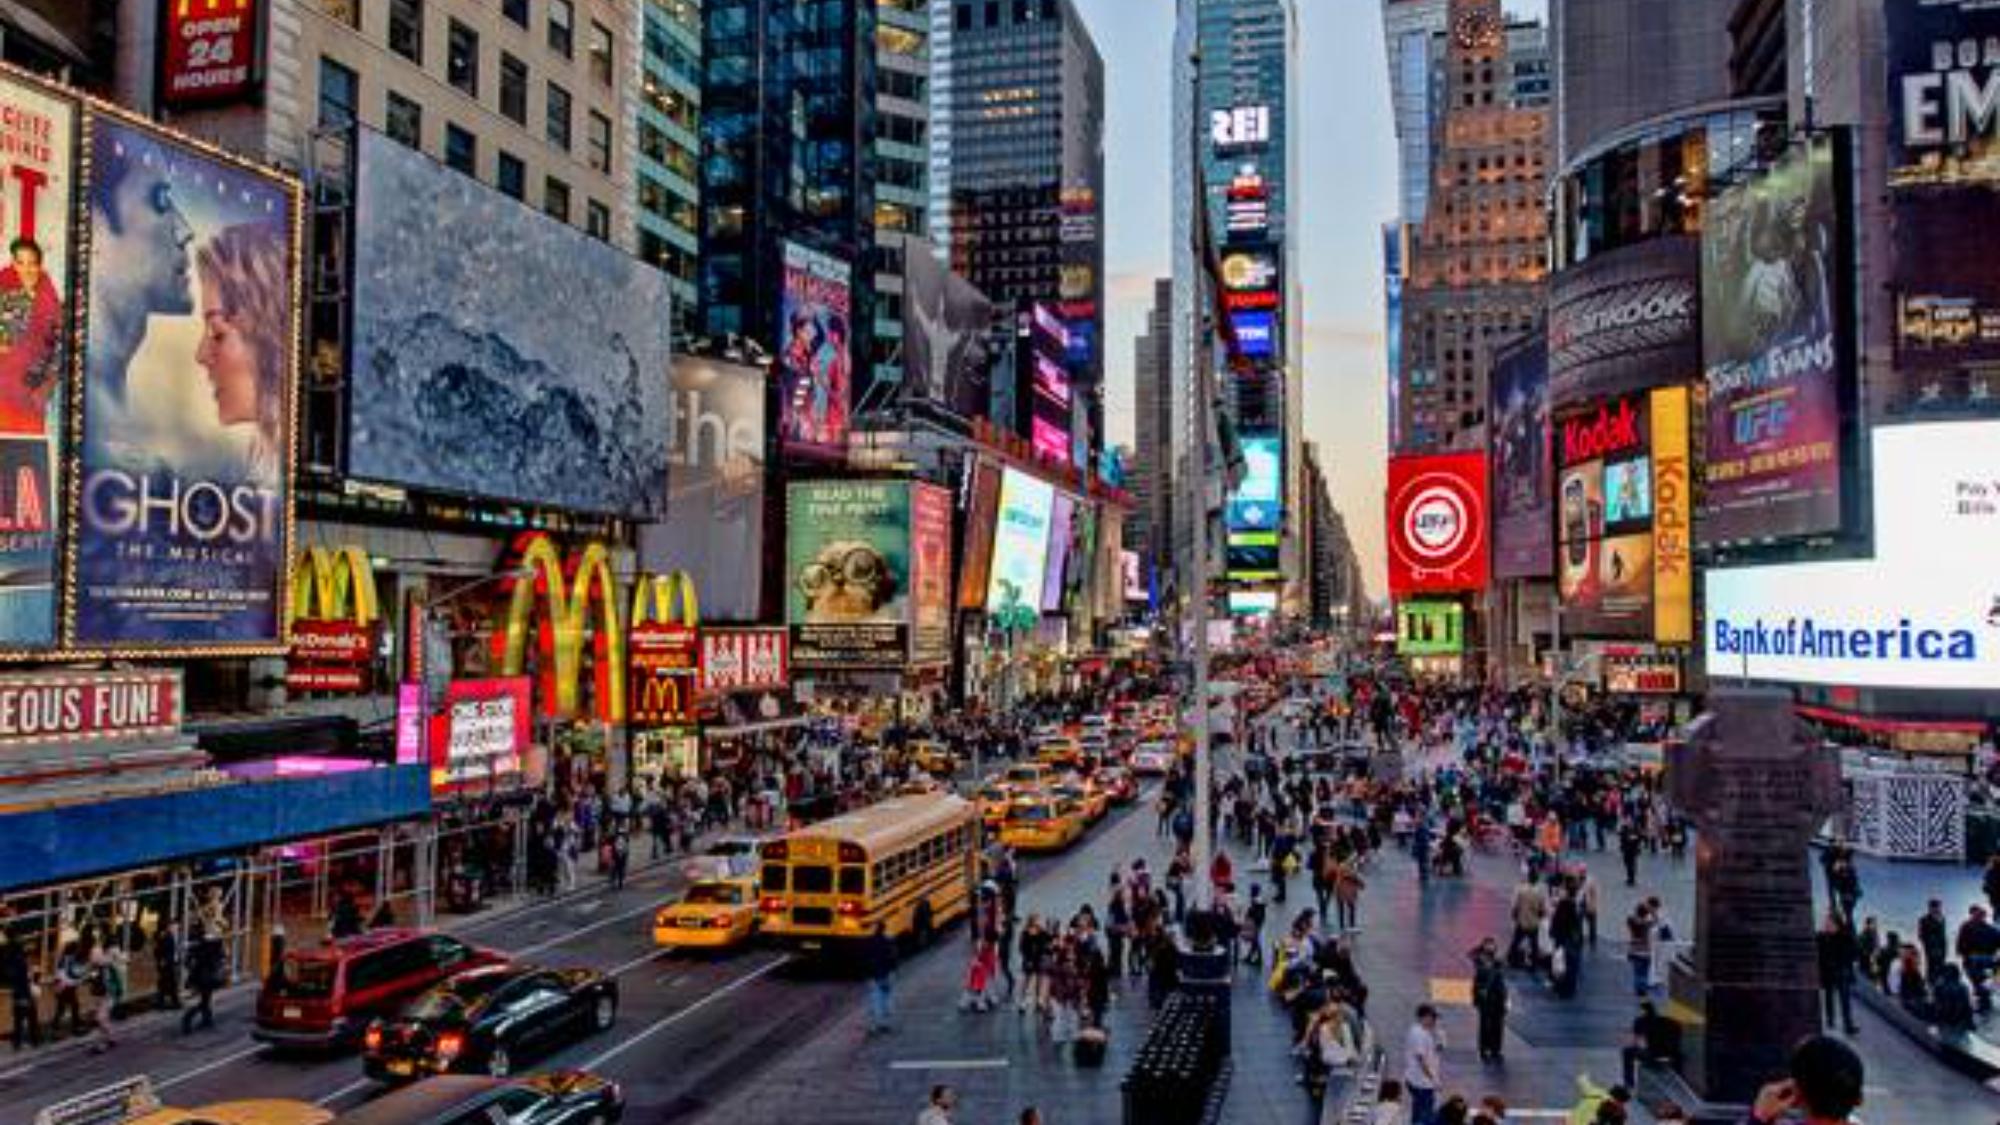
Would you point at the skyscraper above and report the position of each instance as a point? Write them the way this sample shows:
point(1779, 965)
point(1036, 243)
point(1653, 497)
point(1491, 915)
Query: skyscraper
point(1474, 276)
point(1022, 157)
point(1151, 528)
point(901, 170)
point(788, 135)
point(1234, 70)
point(669, 151)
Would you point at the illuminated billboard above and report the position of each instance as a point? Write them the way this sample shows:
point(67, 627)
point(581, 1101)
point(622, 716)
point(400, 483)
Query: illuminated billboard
point(1020, 543)
point(1427, 627)
point(848, 573)
point(1437, 523)
point(1523, 468)
point(1625, 497)
point(1773, 354)
point(209, 52)
point(183, 523)
point(815, 352)
point(1256, 333)
point(499, 352)
point(1258, 503)
point(716, 517)
point(38, 129)
point(1923, 613)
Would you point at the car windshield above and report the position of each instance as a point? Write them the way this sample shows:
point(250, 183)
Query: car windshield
point(713, 894)
point(461, 993)
point(729, 848)
point(308, 978)
point(1024, 773)
point(1033, 812)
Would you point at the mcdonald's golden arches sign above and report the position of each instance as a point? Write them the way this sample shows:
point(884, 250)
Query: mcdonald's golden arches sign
point(665, 651)
point(334, 614)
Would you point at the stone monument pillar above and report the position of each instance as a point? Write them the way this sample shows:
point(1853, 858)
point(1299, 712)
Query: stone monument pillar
point(1757, 789)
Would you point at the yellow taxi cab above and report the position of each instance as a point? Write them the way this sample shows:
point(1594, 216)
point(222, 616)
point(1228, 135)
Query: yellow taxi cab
point(933, 757)
point(1063, 752)
point(1093, 802)
point(257, 1111)
point(1027, 777)
point(1042, 824)
point(713, 914)
point(993, 798)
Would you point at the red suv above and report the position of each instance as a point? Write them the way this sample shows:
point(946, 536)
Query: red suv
point(325, 997)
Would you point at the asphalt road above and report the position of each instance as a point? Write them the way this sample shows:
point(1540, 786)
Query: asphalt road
point(690, 1030)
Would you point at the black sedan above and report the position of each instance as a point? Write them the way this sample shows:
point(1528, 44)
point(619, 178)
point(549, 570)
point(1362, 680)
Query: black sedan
point(567, 1098)
point(487, 1020)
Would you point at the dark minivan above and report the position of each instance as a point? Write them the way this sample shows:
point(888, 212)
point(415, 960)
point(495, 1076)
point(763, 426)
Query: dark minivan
point(324, 997)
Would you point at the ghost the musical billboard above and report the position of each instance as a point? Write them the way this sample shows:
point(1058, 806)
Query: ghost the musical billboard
point(183, 522)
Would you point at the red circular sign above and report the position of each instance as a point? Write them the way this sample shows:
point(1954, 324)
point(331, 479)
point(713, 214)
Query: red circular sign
point(1437, 523)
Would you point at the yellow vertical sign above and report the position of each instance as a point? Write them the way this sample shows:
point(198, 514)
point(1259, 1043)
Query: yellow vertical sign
point(1673, 519)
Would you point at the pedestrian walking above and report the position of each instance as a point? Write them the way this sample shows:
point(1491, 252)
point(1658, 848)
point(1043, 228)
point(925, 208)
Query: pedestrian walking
point(1639, 949)
point(1347, 887)
point(1629, 843)
point(621, 857)
point(1423, 1065)
point(1489, 999)
point(1834, 944)
point(17, 975)
point(102, 981)
point(204, 974)
point(71, 966)
point(166, 968)
point(1253, 927)
point(879, 961)
point(938, 1110)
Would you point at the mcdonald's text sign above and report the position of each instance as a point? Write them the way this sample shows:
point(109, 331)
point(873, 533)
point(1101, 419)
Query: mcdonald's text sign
point(208, 51)
point(665, 665)
point(735, 660)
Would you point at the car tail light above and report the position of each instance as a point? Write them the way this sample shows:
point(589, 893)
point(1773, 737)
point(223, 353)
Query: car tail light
point(776, 850)
point(663, 918)
point(449, 1045)
point(720, 922)
point(850, 910)
point(772, 905)
point(372, 1038)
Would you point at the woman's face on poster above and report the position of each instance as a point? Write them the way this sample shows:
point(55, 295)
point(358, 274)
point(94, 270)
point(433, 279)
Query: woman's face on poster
point(228, 358)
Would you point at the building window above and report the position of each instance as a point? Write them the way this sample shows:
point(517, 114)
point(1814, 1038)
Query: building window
point(461, 150)
point(511, 176)
point(461, 59)
point(516, 11)
point(599, 140)
point(555, 198)
point(558, 131)
point(597, 221)
point(562, 27)
point(600, 54)
point(513, 89)
point(348, 12)
point(339, 94)
point(406, 29)
point(404, 121)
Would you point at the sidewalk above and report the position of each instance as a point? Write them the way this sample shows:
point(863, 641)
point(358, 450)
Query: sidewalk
point(235, 1004)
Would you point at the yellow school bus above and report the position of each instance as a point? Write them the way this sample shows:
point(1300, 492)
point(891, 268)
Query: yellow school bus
point(909, 862)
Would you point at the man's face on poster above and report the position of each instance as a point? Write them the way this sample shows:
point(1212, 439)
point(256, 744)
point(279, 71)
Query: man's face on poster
point(145, 247)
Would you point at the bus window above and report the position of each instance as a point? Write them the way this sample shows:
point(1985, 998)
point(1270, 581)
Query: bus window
point(853, 880)
point(813, 880)
point(773, 878)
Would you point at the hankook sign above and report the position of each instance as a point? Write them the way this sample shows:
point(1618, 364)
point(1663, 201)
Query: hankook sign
point(1625, 321)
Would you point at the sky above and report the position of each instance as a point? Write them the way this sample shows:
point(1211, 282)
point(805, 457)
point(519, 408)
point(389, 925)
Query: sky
point(1347, 165)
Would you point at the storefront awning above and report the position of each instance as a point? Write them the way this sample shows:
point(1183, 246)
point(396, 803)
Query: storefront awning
point(1876, 725)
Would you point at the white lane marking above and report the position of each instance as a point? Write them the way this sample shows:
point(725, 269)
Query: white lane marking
point(14, 1073)
point(204, 1068)
point(582, 930)
point(350, 1088)
point(673, 1018)
point(951, 1064)
point(635, 962)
